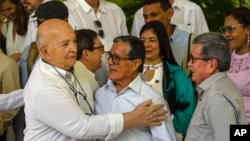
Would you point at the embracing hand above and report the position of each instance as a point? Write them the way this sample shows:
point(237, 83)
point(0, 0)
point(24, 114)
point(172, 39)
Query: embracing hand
point(145, 114)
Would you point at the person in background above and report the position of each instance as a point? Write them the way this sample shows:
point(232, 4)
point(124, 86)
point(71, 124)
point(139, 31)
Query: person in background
point(237, 30)
point(188, 16)
point(52, 110)
point(9, 81)
point(126, 88)
point(220, 103)
point(105, 18)
point(180, 40)
point(89, 54)
point(14, 27)
point(166, 76)
point(89, 49)
point(12, 100)
point(41, 12)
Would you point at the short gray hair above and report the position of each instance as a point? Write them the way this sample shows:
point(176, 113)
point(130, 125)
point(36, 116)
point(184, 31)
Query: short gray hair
point(216, 46)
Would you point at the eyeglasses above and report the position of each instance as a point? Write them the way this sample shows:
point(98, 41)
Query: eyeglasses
point(116, 59)
point(37, 22)
point(193, 59)
point(229, 29)
point(99, 26)
point(101, 48)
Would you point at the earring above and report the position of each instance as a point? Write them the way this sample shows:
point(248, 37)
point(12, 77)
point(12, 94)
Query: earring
point(248, 39)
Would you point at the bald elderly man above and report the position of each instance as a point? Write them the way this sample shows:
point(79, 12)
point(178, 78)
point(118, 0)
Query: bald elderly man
point(52, 110)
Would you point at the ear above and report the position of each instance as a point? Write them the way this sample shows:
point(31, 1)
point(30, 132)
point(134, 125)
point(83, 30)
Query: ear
point(86, 55)
point(44, 52)
point(170, 13)
point(136, 65)
point(213, 66)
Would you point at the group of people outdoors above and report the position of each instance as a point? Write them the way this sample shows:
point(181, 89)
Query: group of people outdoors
point(71, 70)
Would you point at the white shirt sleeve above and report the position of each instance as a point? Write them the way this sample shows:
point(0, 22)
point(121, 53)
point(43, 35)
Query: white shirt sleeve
point(11, 100)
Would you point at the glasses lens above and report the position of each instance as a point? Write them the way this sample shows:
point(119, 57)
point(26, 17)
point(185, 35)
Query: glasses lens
point(228, 29)
point(222, 29)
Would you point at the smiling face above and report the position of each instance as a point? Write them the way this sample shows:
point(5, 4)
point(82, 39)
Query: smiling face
point(125, 71)
point(199, 68)
point(57, 47)
point(30, 5)
point(238, 38)
point(8, 10)
point(152, 48)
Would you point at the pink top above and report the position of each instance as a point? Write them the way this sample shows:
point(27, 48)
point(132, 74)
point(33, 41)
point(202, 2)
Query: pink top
point(240, 74)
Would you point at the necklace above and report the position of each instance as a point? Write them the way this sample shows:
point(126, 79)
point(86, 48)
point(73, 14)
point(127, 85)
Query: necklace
point(152, 67)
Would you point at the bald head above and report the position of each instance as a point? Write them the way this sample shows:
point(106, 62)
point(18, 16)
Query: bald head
point(56, 43)
point(50, 29)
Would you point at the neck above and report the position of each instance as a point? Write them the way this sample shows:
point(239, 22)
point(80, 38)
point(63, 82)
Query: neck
point(88, 65)
point(120, 85)
point(153, 62)
point(94, 4)
point(242, 50)
point(170, 30)
point(171, 2)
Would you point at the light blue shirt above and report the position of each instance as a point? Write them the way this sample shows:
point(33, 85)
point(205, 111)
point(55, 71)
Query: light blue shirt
point(179, 42)
point(108, 100)
point(23, 66)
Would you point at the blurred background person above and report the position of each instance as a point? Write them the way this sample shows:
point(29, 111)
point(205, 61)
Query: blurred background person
point(14, 28)
point(9, 81)
point(237, 30)
point(187, 16)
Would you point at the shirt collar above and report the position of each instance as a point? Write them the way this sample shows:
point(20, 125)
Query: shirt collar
point(177, 4)
point(206, 84)
point(87, 8)
point(54, 70)
point(135, 85)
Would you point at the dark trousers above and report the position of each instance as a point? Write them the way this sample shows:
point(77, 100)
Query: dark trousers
point(3, 137)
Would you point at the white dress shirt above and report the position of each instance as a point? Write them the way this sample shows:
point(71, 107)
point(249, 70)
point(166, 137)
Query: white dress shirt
point(52, 111)
point(111, 16)
point(188, 16)
point(11, 100)
point(108, 100)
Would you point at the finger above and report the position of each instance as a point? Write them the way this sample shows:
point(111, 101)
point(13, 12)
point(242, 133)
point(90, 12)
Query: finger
point(157, 106)
point(147, 102)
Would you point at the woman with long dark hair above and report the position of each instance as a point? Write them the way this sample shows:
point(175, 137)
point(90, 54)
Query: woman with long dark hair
point(14, 27)
point(163, 73)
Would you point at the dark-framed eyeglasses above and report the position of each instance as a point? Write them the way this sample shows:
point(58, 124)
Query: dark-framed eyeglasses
point(101, 48)
point(99, 26)
point(37, 22)
point(193, 59)
point(115, 58)
point(229, 29)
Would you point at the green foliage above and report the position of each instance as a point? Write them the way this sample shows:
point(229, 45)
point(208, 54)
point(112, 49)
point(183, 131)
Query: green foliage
point(129, 11)
point(215, 10)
